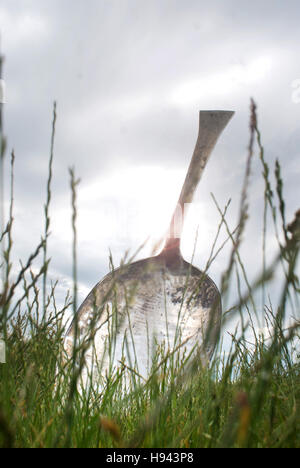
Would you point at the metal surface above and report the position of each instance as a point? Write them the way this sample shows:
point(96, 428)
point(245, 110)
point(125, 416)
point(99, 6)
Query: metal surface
point(162, 301)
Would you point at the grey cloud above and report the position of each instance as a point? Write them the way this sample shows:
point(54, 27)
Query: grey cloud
point(98, 59)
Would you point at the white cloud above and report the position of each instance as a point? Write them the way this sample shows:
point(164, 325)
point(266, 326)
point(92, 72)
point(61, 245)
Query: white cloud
point(106, 219)
point(19, 30)
point(227, 82)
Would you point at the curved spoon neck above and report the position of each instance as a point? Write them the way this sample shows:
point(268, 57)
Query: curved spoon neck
point(211, 125)
point(171, 254)
point(172, 244)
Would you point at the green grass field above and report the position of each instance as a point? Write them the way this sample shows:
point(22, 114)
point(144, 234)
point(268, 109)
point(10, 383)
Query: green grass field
point(249, 396)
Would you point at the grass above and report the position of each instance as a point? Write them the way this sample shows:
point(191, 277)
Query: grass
point(247, 397)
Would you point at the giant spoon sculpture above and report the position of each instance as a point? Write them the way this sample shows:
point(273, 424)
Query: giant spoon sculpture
point(161, 300)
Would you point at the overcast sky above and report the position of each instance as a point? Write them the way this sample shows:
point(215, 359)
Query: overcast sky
point(129, 78)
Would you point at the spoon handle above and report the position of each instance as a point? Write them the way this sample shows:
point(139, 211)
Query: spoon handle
point(211, 125)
